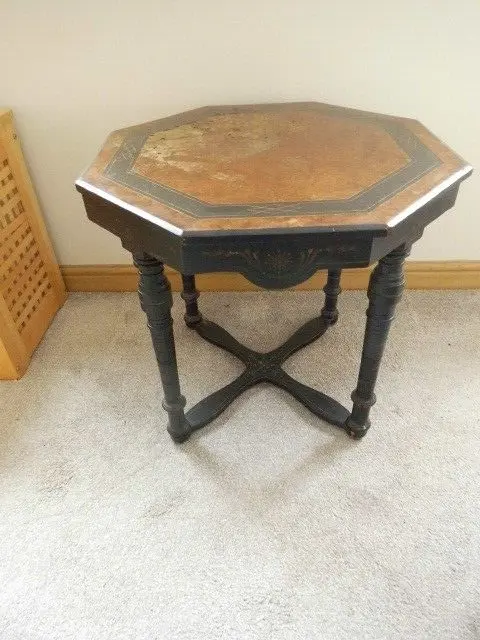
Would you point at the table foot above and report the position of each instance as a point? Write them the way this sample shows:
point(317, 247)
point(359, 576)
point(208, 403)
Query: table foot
point(265, 367)
point(356, 431)
point(181, 437)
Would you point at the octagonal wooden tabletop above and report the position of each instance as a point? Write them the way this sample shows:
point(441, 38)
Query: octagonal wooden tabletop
point(273, 166)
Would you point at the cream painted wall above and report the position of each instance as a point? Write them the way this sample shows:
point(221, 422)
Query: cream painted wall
point(73, 71)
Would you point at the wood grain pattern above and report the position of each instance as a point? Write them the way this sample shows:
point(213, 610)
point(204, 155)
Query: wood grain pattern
point(284, 156)
point(261, 167)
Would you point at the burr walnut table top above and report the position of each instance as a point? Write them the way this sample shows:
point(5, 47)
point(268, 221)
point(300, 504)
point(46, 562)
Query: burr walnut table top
point(273, 167)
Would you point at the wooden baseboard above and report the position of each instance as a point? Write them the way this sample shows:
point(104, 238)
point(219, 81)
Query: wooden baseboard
point(420, 275)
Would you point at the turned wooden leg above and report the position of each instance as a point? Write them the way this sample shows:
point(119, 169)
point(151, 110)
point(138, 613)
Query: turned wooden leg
point(156, 301)
point(332, 291)
point(384, 291)
point(190, 295)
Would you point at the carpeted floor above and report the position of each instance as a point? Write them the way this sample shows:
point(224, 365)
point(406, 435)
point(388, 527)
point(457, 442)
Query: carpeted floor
point(268, 524)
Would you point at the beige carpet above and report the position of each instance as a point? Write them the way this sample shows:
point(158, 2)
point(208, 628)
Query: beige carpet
point(268, 524)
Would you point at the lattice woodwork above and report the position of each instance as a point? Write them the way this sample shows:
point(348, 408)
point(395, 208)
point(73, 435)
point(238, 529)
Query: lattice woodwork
point(31, 287)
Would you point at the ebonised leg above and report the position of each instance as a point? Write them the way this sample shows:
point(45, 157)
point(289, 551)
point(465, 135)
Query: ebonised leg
point(332, 291)
point(190, 295)
point(156, 301)
point(384, 291)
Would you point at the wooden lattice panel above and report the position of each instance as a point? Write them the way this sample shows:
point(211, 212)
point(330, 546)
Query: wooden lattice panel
point(31, 288)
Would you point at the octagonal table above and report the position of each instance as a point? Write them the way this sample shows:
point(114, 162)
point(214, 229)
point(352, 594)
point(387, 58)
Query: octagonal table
point(275, 192)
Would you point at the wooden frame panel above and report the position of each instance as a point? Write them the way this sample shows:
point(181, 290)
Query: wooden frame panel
point(31, 285)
